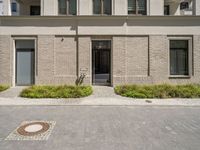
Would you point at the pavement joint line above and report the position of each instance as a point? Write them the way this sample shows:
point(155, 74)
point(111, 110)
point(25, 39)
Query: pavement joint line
point(158, 106)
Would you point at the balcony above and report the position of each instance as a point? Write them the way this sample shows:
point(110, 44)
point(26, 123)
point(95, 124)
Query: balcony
point(25, 7)
point(178, 7)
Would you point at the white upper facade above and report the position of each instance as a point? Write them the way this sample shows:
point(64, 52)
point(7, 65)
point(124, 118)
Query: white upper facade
point(99, 7)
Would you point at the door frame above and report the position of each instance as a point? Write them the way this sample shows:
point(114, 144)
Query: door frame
point(111, 61)
point(14, 39)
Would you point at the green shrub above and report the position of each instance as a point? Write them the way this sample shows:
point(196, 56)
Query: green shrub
point(57, 91)
point(3, 87)
point(159, 91)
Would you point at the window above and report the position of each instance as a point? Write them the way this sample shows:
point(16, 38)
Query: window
point(1, 8)
point(14, 7)
point(137, 7)
point(166, 10)
point(67, 7)
point(102, 7)
point(179, 58)
point(184, 5)
point(34, 10)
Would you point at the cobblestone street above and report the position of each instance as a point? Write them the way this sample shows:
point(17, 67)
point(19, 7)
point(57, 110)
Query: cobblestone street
point(106, 127)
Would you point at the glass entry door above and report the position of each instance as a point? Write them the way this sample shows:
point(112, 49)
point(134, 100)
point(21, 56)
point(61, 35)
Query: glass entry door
point(101, 62)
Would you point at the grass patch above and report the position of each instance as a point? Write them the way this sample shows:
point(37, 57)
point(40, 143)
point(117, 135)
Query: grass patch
point(57, 91)
point(3, 87)
point(159, 91)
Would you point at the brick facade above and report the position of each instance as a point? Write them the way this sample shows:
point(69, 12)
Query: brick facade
point(134, 60)
point(5, 59)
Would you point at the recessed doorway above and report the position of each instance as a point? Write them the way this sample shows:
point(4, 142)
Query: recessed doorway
point(101, 62)
point(25, 62)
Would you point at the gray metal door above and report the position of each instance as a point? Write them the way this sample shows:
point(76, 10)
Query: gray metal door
point(25, 67)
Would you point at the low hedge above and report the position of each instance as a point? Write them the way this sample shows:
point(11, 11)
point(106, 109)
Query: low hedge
point(3, 87)
point(57, 91)
point(159, 91)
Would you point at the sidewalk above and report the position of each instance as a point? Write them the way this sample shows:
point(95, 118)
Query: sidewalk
point(102, 96)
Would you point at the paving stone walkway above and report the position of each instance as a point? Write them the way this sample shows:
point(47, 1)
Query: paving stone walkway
point(102, 95)
point(103, 91)
point(12, 92)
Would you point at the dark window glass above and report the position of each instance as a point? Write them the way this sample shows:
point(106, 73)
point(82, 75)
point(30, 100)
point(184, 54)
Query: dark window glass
point(72, 7)
point(179, 57)
point(137, 7)
point(62, 4)
point(184, 5)
point(97, 6)
point(14, 7)
point(166, 10)
point(131, 7)
point(35, 10)
point(141, 7)
point(67, 7)
point(102, 7)
point(107, 7)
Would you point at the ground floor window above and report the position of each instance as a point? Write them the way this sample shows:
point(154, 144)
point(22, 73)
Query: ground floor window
point(179, 57)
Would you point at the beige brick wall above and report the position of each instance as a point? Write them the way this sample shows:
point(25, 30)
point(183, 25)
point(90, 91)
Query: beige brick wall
point(5, 60)
point(119, 63)
point(196, 54)
point(149, 64)
point(159, 58)
point(65, 57)
point(84, 58)
point(137, 56)
point(56, 60)
point(130, 59)
point(135, 60)
point(45, 60)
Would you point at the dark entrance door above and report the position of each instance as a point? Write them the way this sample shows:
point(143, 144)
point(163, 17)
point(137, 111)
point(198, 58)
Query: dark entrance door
point(101, 62)
point(24, 67)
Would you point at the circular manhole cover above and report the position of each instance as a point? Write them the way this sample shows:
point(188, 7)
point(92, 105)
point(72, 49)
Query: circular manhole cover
point(34, 128)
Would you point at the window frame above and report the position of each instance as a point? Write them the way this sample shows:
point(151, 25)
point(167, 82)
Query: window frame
point(190, 57)
point(13, 4)
point(102, 8)
point(67, 9)
point(168, 10)
point(136, 9)
point(184, 5)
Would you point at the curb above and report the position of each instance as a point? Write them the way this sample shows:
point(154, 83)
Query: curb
point(103, 101)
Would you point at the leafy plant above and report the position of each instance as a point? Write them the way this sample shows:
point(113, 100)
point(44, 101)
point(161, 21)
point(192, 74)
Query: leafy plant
point(3, 87)
point(63, 91)
point(159, 91)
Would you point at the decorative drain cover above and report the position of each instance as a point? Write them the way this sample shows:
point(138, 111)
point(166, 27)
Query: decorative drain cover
point(32, 130)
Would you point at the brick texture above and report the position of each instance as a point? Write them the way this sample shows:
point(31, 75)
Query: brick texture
point(56, 60)
point(135, 60)
point(84, 58)
point(5, 60)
